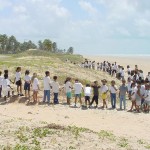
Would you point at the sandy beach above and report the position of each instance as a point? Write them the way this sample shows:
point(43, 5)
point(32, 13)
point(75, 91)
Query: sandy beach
point(107, 129)
point(143, 62)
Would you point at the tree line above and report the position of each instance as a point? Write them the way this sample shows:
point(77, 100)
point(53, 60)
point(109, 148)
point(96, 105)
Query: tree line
point(10, 45)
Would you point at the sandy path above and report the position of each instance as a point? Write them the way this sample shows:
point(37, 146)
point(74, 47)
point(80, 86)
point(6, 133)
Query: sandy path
point(121, 123)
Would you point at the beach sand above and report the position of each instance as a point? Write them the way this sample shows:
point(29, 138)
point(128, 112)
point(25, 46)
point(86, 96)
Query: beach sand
point(131, 130)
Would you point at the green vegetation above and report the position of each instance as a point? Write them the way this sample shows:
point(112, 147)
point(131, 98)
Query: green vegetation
point(123, 143)
point(107, 135)
point(10, 45)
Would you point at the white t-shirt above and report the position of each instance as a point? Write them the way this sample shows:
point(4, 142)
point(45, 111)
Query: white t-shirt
point(112, 89)
point(148, 77)
point(147, 95)
point(78, 88)
point(5, 84)
point(27, 78)
point(35, 84)
point(103, 89)
point(18, 76)
point(87, 91)
point(122, 73)
point(68, 86)
point(134, 90)
point(1, 80)
point(129, 86)
point(55, 87)
point(46, 81)
point(142, 90)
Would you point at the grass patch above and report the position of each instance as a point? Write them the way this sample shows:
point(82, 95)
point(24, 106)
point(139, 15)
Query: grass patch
point(123, 143)
point(106, 135)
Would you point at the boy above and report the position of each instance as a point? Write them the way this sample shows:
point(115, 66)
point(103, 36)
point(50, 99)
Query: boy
point(104, 90)
point(1, 80)
point(95, 93)
point(47, 87)
point(78, 90)
point(6, 86)
point(113, 89)
point(55, 89)
point(147, 98)
point(87, 93)
point(122, 94)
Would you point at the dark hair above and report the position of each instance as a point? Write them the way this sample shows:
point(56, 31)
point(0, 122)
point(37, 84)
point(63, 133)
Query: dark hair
point(0, 72)
point(47, 73)
point(5, 76)
point(132, 84)
point(27, 72)
point(55, 77)
point(5, 71)
point(18, 69)
point(87, 85)
point(76, 80)
point(67, 79)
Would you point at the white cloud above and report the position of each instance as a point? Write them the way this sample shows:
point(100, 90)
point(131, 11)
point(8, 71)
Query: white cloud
point(87, 6)
point(104, 21)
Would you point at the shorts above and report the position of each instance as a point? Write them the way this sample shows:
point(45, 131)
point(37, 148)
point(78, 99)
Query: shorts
point(147, 102)
point(19, 83)
point(87, 98)
point(27, 86)
point(68, 94)
point(104, 96)
point(114, 71)
point(138, 103)
point(129, 92)
point(78, 95)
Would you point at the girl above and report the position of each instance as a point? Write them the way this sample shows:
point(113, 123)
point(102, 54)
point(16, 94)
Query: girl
point(35, 86)
point(18, 81)
point(68, 88)
point(147, 98)
point(27, 83)
point(129, 88)
point(104, 90)
point(133, 94)
point(138, 98)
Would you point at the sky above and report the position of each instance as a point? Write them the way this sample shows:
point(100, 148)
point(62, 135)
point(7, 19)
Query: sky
point(92, 27)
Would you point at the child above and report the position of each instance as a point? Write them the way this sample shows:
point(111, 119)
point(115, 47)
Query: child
point(47, 87)
point(6, 86)
point(18, 81)
point(133, 98)
point(77, 91)
point(35, 86)
point(87, 94)
point(122, 94)
point(55, 88)
point(27, 83)
point(113, 89)
point(104, 90)
point(1, 81)
point(138, 98)
point(129, 88)
point(95, 93)
point(68, 88)
point(122, 73)
point(147, 98)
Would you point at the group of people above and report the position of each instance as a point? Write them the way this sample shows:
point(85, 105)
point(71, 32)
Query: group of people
point(138, 90)
point(116, 70)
